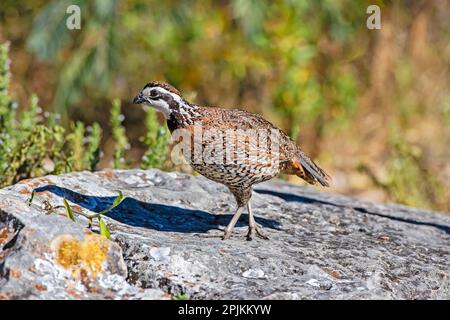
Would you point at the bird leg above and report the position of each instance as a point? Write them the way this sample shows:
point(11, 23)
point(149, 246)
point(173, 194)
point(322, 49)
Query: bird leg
point(232, 223)
point(252, 226)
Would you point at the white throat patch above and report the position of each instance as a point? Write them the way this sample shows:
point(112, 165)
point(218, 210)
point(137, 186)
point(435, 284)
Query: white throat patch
point(162, 107)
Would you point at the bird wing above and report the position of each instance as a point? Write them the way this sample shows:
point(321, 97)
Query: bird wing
point(290, 156)
point(251, 136)
point(233, 119)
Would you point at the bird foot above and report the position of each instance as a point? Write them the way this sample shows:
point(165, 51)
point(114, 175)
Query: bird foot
point(226, 235)
point(252, 231)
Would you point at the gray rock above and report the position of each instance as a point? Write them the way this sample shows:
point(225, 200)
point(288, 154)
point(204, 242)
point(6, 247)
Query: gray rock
point(166, 240)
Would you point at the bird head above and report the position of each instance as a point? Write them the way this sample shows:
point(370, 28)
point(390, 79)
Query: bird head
point(161, 96)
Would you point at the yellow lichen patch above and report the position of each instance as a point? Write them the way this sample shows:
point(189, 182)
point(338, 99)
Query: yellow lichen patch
point(81, 256)
point(67, 250)
point(94, 252)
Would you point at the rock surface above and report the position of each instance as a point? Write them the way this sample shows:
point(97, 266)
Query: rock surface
point(165, 240)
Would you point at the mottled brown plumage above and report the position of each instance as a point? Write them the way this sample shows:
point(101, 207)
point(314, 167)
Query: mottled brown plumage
point(239, 148)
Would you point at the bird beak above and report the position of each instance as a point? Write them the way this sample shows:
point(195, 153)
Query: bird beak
point(138, 99)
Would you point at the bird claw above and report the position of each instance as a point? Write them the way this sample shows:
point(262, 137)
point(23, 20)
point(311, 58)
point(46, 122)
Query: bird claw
point(226, 235)
point(252, 231)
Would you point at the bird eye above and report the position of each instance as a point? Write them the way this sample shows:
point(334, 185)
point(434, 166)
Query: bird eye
point(154, 94)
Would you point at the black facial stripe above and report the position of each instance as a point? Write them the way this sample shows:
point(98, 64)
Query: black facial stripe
point(169, 99)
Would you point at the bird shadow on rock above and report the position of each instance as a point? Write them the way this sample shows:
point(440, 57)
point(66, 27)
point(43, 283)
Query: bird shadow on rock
point(309, 200)
point(155, 216)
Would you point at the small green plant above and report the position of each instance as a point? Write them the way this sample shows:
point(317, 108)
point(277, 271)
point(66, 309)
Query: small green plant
point(156, 141)
point(75, 139)
point(92, 153)
point(104, 231)
point(180, 296)
point(118, 132)
point(30, 200)
point(68, 210)
point(84, 146)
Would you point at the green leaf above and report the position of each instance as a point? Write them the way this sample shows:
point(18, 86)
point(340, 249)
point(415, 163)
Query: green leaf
point(116, 202)
point(68, 210)
point(103, 228)
point(30, 200)
point(180, 296)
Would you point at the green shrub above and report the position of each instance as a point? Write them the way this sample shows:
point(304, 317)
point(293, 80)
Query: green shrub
point(156, 141)
point(118, 132)
point(31, 146)
point(409, 181)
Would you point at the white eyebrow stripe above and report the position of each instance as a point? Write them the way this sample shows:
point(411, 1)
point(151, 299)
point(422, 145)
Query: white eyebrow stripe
point(184, 108)
point(176, 97)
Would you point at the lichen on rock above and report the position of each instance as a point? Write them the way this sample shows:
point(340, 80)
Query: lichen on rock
point(87, 256)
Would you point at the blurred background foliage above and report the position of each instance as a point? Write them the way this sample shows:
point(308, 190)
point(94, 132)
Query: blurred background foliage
point(372, 106)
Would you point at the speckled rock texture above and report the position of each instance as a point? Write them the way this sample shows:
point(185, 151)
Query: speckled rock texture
point(165, 240)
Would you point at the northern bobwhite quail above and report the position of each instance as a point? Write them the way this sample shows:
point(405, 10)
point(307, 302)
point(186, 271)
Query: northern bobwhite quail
point(243, 148)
